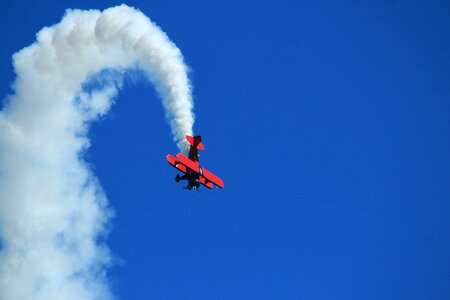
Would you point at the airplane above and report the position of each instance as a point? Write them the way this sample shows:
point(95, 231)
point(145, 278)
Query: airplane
point(190, 166)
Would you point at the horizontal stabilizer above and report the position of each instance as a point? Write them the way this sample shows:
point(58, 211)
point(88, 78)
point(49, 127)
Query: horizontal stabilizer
point(195, 141)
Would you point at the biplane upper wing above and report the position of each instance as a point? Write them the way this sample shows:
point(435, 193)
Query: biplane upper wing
point(212, 178)
point(188, 163)
point(174, 162)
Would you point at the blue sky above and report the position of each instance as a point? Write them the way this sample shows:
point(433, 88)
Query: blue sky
point(329, 124)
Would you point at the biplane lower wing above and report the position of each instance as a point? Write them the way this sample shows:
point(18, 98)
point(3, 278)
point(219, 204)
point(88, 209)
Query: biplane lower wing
point(212, 178)
point(206, 182)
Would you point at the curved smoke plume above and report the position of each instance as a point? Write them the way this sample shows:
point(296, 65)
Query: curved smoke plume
point(52, 210)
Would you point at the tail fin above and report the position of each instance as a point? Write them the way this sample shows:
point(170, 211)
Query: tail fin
point(195, 141)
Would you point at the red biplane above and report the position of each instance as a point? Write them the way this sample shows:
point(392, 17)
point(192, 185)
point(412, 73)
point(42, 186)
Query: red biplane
point(193, 172)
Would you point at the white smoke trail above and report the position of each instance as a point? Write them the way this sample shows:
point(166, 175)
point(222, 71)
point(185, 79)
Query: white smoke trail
point(52, 210)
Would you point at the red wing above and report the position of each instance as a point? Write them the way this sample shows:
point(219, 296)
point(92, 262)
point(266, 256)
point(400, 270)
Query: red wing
point(188, 163)
point(205, 182)
point(171, 159)
point(174, 162)
point(182, 163)
point(213, 178)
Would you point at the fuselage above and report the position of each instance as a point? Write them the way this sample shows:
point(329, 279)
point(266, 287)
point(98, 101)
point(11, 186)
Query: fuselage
point(193, 177)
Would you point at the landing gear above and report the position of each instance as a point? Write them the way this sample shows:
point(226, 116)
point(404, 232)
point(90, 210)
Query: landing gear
point(177, 178)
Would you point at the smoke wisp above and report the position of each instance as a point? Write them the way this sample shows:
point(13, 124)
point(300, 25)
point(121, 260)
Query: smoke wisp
point(53, 212)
